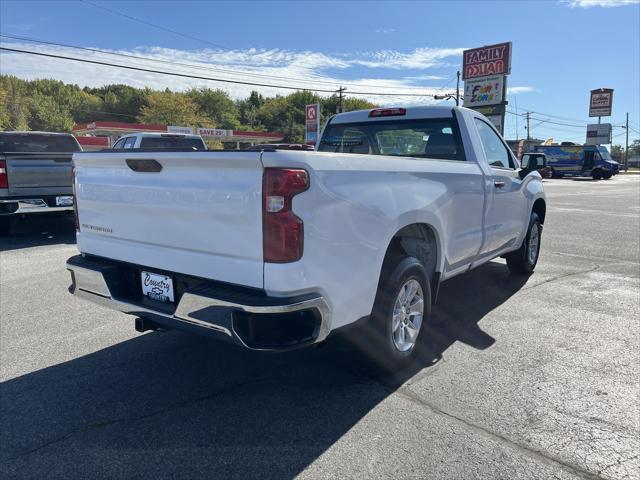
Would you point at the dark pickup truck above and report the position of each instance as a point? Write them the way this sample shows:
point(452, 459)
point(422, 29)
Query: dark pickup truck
point(35, 174)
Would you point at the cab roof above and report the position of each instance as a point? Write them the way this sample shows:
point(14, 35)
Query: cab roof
point(411, 113)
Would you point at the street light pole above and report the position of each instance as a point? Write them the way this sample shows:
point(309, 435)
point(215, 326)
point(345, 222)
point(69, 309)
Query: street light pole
point(458, 89)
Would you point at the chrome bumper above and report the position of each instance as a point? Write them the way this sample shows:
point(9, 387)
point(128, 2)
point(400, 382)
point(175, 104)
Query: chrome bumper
point(197, 309)
point(31, 205)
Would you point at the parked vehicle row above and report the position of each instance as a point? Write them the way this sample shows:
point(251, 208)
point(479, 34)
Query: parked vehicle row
point(274, 250)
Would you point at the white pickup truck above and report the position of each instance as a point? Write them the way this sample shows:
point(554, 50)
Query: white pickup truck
point(274, 250)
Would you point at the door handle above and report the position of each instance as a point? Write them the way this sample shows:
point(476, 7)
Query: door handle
point(498, 183)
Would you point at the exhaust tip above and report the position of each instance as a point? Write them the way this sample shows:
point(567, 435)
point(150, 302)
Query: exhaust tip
point(144, 325)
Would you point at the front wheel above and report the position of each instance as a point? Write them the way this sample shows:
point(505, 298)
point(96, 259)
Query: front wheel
point(597, 174)
point(524, 259)
point(400, 314)
point(607, 175)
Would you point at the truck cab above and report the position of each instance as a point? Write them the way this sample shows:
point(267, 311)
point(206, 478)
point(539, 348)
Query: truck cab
point(160, 141)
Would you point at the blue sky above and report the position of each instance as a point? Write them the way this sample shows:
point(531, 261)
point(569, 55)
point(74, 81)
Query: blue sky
point(561, 49)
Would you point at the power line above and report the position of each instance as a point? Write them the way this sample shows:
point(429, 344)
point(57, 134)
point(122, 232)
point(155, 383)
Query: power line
point(200, 67)
point(198, 77)
point(160, 27)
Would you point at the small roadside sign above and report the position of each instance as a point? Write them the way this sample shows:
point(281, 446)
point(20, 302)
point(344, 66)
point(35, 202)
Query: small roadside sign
point(312, 123)
point(600, 102)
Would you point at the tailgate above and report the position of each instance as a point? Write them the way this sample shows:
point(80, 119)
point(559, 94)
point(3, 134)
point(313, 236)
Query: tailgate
point(39, 174)
point(200, 214)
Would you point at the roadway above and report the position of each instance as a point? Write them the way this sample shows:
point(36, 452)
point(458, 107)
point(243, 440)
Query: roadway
point(524, 377)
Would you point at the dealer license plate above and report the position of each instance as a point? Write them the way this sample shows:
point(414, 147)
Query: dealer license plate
point(158, 287)
point(64, 201)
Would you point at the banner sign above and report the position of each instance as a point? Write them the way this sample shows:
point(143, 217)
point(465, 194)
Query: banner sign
point(487, 61)
point(215, 132)
point(176, 129)
point(598, 133)
point(601, 102)
point(312, 123)
point(484, 91)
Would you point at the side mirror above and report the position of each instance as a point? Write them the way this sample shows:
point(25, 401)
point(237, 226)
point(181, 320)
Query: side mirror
point(523, 172)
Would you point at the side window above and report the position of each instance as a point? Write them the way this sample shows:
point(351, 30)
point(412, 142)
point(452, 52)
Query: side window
point(495, 151)
point(131, 141)
point(525, 161)
point(119, 144)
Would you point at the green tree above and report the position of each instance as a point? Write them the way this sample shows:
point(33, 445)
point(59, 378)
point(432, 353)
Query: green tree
point(15, 106)
point(215, 105)
point(617, 152)
point(168, 108)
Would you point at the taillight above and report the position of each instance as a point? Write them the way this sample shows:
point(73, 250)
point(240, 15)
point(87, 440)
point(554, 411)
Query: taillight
point(387, 112)
point(282, 230)
point(75, 196)
point(4, 178)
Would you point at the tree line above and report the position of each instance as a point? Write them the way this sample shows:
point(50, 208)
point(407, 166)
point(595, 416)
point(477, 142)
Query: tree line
point(52, 105)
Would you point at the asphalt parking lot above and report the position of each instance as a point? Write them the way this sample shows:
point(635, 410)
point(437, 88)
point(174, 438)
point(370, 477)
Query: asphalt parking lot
point(532, 377)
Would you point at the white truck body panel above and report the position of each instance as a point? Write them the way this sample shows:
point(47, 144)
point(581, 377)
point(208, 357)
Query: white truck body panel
point(201, 215)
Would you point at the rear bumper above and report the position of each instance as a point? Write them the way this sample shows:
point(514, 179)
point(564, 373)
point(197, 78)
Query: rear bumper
point(246, 317)
point(20, 206)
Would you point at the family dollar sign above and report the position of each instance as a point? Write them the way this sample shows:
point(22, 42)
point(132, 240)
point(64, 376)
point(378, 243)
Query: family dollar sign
point(485, 61)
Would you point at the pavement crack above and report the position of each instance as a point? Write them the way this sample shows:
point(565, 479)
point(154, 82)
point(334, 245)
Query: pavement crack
point(225, 389)
point(560, 277)
point(530, 452)
point(533, 453)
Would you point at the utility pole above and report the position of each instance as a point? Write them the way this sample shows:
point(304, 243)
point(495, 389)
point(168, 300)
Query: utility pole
point(528, 133)
point(340, 90)
point(458, 89)
point(626, 145)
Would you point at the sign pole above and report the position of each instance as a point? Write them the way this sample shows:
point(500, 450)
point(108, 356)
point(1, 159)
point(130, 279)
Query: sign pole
point(458, 89)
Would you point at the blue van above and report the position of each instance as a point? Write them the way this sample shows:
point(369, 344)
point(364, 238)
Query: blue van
point(579, 161)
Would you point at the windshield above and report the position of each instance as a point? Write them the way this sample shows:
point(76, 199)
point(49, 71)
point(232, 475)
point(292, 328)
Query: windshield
point(432, 138)
point(37, 142)
point(604, 153)
point(172, 142)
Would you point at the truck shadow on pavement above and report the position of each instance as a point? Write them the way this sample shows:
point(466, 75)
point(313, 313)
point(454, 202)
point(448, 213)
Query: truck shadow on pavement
point(38, 230)
point(173, 405)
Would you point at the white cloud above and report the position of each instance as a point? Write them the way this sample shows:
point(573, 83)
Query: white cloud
point(384, 31)
point(519, 90)
point(420, 58)
point(299, 69)
point(599, 3)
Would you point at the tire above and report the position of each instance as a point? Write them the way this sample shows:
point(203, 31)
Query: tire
point(5, 226)
point(392, 349)
point(524, 259)
point(596, 174)
point(607, 175)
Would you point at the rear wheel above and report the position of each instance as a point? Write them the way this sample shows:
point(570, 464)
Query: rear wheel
point(400, 314)
point(524, 259)
point(5, 226)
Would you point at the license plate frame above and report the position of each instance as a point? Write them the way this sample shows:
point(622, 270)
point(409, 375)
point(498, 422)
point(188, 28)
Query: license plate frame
point(64, 201)
point(157, 286)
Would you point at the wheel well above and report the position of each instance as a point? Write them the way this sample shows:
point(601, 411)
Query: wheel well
point(416, 240)
point(540, 207)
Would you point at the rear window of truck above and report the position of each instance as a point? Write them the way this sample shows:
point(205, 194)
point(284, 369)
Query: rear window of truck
point(428, 138)
point(171, 142)
point(34, 143)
